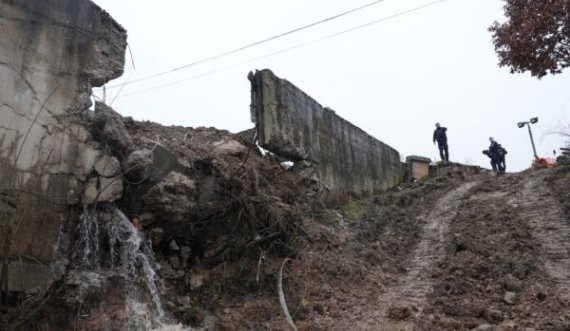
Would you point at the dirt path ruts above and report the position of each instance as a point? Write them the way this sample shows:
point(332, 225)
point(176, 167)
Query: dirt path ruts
point(410, 291)
point(545, 217)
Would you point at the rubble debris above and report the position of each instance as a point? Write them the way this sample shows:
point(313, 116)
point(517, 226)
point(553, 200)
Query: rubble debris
point(110, 130)
point(217, 218)
point(173, 198)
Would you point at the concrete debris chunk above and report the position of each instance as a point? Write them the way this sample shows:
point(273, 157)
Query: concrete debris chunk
point(108, 166)
point(510, 297)
point(112, 131)
point(139, 165)
point(101, 189)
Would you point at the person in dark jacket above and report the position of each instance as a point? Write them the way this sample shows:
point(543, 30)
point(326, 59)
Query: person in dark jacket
point(496, 153)
point(440, 136)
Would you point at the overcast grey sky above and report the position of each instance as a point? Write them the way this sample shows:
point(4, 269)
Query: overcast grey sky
point(394, 79)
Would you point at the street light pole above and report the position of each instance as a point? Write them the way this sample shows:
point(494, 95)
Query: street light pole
point(532, 140)
point(528, 123)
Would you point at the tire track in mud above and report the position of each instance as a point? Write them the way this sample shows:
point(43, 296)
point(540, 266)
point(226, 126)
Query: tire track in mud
point(550, 228)
point(411, 289)
point(415, 284)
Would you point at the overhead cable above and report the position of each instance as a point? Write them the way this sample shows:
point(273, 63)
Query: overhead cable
point(383, 19)
point(211, 58)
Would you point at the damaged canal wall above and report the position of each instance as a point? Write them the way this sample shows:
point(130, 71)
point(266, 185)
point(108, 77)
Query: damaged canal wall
point(51, 54)
point(293, 125)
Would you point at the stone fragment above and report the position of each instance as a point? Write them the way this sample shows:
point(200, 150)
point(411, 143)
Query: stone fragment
point(112, 131)
point(513, 285)
point(174, 246)
point(108, 166)
point(173, 198)
point(101, 189)
point(196, 279)
point(493, 315)
point(510, 297)
point(227, 147)
point(139, 165)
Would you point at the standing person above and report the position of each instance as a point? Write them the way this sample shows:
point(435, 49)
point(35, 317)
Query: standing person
point(440, 136)
point(497, 154)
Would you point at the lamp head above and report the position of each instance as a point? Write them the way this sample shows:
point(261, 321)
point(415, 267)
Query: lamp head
point(534, 120)
point(520, 124)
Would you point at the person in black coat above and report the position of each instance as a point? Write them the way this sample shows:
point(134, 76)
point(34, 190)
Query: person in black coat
point(440, 136)
point(496, 153)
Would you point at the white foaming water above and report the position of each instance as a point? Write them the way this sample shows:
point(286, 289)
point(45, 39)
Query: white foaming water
point(130, 257)
point(89, 239)
point(126, 242)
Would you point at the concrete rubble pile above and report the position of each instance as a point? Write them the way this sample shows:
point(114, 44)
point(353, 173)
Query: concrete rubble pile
point(80, 186)
point(71, 176)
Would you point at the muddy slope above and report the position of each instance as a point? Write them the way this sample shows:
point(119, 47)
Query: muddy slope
point(466, 250)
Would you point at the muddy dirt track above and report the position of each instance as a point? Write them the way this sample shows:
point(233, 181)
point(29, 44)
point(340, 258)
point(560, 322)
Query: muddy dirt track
point(470, 252)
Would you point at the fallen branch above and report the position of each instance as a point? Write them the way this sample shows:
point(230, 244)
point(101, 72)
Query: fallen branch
point(282, 296)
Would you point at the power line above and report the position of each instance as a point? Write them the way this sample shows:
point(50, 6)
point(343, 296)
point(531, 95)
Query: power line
point(211, 58)
point(287, 49)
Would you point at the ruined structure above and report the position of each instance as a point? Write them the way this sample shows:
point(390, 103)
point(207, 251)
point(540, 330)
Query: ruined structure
point(51, 54)
point(293, 125)
point(418, 167)
point(108, 223)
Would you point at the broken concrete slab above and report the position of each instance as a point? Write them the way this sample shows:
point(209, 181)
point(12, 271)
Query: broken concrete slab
point(227, 147)
point(108, 166)
point(111, 130)
point(291, 124)
point(173, 198)
point(139, 165)
point(52, 54)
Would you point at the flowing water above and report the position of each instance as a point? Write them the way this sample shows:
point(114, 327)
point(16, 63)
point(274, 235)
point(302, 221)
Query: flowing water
point(89, 239)
point(129, 256)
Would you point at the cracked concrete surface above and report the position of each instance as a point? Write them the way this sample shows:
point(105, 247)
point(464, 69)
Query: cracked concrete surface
point(51, 54)
point(293, 125)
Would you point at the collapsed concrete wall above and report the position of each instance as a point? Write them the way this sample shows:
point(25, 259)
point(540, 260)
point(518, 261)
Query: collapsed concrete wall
point(51, 54)
point(293, 125)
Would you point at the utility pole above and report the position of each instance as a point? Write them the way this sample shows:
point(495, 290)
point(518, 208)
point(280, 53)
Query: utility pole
point(528, 123)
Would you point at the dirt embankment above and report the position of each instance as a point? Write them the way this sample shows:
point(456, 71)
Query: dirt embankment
point(466, 250)
point(478, 253)
point(496, 273)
